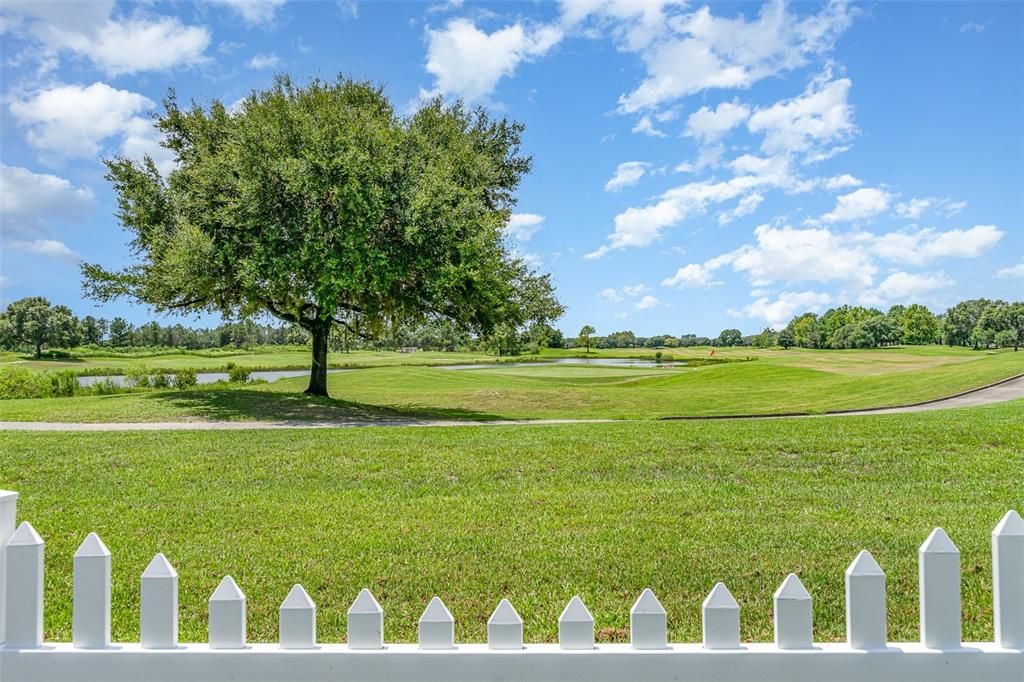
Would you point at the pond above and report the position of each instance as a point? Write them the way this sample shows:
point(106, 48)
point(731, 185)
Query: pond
point(612, 362)
point(213, 377)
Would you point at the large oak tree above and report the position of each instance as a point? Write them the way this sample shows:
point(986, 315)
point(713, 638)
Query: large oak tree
point(322, 206)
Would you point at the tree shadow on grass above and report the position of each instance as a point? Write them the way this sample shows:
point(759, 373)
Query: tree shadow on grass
point(241, 404)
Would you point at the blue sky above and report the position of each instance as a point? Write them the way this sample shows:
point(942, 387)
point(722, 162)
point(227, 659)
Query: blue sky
point(695, 166)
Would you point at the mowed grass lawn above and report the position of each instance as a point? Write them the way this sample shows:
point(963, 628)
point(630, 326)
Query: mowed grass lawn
point(776, 381)
point(533, 513)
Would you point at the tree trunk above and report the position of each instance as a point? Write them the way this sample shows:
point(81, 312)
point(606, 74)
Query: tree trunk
point(39, 350)
point(318, 372)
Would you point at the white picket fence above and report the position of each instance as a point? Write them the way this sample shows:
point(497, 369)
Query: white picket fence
point(867, 655)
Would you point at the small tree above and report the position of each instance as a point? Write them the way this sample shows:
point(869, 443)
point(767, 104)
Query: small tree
point(322, 206)
point(919, 325)
point(585, 334)
point(34, 323)
point(729, 337)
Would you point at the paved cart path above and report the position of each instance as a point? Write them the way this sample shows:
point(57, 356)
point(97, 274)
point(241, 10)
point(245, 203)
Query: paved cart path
point(1010, 389)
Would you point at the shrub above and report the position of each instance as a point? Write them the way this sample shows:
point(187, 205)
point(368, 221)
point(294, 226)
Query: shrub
point(138, 376)
point(159, 379)
point(185, 378)
point(238, 375)
point(63, 384)
point(230, 366)
point(657, 356)
point(20, 382)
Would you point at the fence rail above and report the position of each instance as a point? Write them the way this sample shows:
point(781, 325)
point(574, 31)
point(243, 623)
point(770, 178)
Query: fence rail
point(940, 656)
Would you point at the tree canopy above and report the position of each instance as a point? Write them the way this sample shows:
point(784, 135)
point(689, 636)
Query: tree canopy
point(32, 322)
point(322, 206)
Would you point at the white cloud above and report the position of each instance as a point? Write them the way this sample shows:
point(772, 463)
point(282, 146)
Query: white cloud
point(904, 286)
point(72, 120)
point(694, 51)
point(627, 174)
point(629, 291)
point(918, 206)
point(647, 302)
point(635, 289)
point(692, 276)
point(842, 182)
point(1012, 272)
point(929, 244)
point(710, 125)
point(469, 62)
point(641, 226)
point(789, 254)
point(45, 247)
point(122, 45)
point(972, 27)
point(254, 12)
point(265, 61)
point(779, 312)
point(28, 200)
point(860, 204)
point(523, 226)
point(746, 206)
point(645, 126)
point(78, 121)
point(818, 117)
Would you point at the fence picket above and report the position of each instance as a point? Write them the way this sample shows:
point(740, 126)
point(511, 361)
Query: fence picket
point(721, 619)
point(90, 619)
point(297, 620)
point(576, 626)
point(437, 626)
point(648, 625)
point(939, 568)
point(227, 616)
point(794, 616)
point(1008, 581)
point(365, 622)
point(866, 626)
point(158, 607)
point(8, 515)
point(24, 601)
point(505, 627)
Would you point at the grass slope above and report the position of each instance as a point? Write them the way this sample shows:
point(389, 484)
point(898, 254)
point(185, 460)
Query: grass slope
point(779, 381)
point(533, 513)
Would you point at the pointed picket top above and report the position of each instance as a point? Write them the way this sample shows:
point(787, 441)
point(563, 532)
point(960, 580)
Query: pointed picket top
point(505, 614)
point(864, 564)
point(159, 567)
point(436, 612)
point(720, 598)
point(25, 535)
point(228, 590)
point(298, 598)
point(939, 543)
point(365, 603)
point(92, 546)
point(1010, 524)
point(8, 495)
point(792, 588)
point(647, 603)
point(576, 612)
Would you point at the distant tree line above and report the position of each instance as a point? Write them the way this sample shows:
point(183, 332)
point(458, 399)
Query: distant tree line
point(34, 324)
point(977, 323)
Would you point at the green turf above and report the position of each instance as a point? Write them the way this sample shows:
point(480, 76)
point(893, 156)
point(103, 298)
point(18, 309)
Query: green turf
point(777, 381)
point(533, 513)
